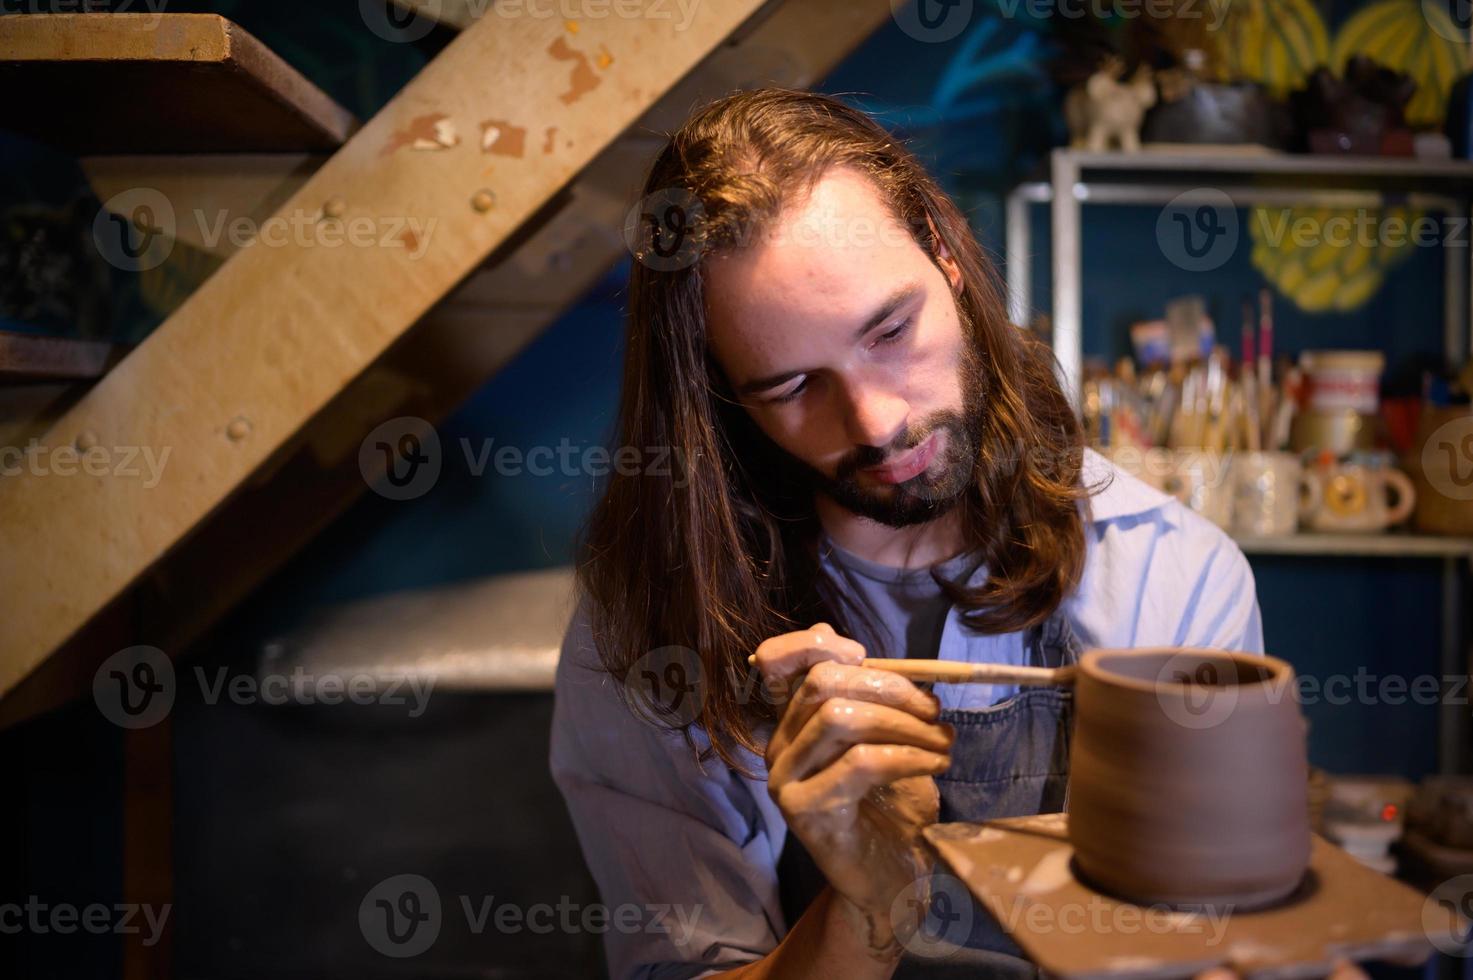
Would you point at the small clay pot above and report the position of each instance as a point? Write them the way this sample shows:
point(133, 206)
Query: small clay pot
point(1189, 778)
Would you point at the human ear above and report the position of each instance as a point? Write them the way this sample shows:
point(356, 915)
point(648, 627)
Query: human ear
point(944, 258)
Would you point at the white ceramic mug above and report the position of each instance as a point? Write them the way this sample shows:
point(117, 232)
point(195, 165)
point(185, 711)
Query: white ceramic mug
point(1271, 492)
point(1199, 479)
point(1361, 493)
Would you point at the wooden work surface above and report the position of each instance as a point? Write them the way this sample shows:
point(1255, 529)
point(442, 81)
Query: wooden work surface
point(1021, 871)
point(158, 83)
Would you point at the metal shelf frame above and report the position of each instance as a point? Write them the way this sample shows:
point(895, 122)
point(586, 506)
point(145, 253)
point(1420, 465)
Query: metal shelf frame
point(1152, 177)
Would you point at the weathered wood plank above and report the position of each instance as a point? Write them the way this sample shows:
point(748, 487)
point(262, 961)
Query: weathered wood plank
point(158, 83)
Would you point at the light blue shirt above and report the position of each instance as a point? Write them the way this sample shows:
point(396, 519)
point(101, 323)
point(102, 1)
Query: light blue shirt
point(696, 848)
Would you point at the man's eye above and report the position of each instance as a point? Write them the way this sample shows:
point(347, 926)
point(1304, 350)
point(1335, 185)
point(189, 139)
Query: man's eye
point(890, 336)
point(792, 395)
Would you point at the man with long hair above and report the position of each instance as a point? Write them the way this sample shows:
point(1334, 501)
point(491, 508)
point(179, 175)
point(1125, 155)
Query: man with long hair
point(869, 459)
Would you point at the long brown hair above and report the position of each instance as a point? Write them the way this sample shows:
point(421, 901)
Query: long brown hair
point(719, 553)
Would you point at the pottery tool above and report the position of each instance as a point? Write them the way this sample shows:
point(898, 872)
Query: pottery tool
point(958, 672)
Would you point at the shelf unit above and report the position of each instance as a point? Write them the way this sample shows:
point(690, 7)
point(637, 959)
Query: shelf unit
point(1219, 178)
point(1077, 178)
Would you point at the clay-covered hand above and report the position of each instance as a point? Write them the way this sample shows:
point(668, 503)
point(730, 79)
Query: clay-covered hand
point(851, 765)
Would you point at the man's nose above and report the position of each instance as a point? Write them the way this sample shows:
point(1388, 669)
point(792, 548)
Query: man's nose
point(875, 416)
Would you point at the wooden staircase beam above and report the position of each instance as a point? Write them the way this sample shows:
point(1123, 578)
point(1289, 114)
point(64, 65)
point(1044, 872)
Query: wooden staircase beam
point(158, 83)
point(280, 329)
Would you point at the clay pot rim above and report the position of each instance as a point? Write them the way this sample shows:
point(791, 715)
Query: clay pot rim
point(1279, 671)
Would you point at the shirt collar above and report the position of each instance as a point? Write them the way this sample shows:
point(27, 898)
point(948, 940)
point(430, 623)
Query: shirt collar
point(1116, 494)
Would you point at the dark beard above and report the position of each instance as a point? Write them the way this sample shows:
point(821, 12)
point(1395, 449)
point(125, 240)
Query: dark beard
point(927, 495)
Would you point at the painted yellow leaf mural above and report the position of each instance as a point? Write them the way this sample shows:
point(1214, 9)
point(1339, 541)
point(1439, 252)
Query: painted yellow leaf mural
point(1275, 42)
point(1320, 270)
point(1413, 37)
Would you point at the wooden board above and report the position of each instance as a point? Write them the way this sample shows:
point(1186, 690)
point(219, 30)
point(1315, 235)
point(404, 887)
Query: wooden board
point(239, 371)
point(158, 83)
point(1020, 870)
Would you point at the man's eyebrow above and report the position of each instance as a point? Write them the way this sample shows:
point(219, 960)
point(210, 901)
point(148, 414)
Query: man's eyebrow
point(902, 295)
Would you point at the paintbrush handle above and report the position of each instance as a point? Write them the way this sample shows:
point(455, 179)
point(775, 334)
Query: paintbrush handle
point(957, 672)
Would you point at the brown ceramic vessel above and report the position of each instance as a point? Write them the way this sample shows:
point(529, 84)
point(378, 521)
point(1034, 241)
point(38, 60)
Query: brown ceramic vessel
point(1189, 778)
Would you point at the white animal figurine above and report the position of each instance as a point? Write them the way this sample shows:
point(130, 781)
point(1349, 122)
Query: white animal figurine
point(1106, 111)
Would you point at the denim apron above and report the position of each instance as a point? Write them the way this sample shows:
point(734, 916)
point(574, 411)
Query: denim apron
point(1009, 759)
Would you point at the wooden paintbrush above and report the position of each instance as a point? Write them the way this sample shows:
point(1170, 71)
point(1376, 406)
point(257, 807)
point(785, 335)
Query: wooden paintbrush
point(956, 672)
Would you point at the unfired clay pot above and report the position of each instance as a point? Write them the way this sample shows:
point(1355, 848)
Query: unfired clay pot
point(1189, 779)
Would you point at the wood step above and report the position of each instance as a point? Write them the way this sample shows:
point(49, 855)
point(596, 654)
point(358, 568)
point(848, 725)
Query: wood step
point(158, 83)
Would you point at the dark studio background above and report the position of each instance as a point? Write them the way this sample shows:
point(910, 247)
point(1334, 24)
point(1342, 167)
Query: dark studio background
point(285, 815)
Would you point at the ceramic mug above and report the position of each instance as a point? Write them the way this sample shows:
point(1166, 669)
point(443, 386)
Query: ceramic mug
point(1341, 431)
point(1362, 492)
point(1271, 493)
point(1198, 478)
